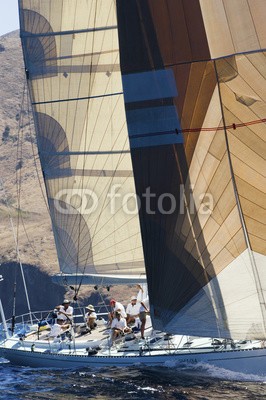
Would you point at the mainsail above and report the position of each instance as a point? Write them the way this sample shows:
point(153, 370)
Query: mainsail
point(205, 244)
point(72, 65)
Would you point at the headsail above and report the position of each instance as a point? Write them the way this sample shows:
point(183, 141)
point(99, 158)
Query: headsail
point(73, 68)
point(203, 230)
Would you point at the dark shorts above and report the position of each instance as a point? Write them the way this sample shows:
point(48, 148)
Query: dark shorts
point(142, 315)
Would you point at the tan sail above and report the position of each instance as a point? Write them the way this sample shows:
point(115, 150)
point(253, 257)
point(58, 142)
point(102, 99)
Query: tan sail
point(205, 262)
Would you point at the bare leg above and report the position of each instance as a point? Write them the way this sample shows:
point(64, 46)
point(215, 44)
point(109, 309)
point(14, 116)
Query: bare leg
point(142, 328)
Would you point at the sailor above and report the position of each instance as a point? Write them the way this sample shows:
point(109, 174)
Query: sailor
point(143, 298)
point(64, 313)
point(58, 327)
point(119, 326)
point(116, 306)
point(91, 317)
point(132, 310)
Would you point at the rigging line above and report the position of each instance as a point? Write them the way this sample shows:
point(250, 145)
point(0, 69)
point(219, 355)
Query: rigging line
point(225, 187)
point(102, 193)
point(45, 201)
point(103, 136)
point(241, 216)
point(222, 127)
point(125, 224)
point(36, 156)
point(109, 184)
point(22, 219)
point(92, 237)
point(86, 138)
point(228, 25)
point(120, 153)
point(201, 273)
point(107, 236)
point(19, 164)
point(67, 122)
point(204, 272)
point(18, 262)
point(106, 159)
point(85, 144)
point(120, 253)
point(57, 184)
point(194, 214)
point(110, 50)
point(254, 23)
point(97, 221)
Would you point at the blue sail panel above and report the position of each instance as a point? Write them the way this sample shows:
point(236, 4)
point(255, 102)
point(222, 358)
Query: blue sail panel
point(152, 118)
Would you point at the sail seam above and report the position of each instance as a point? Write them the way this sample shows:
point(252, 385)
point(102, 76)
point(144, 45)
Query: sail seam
point(78, 98)
point(70, 32)
point(188, 62)
point(76, 153)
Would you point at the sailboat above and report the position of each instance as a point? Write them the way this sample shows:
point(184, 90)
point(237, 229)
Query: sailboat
point(150, 124)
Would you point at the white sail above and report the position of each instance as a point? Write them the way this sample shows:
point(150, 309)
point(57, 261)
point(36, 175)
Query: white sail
point(72, 65)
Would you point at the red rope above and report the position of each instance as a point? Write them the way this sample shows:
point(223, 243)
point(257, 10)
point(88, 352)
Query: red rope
point(220, 128)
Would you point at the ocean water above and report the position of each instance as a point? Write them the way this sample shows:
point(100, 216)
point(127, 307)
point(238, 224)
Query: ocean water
point(201, 382)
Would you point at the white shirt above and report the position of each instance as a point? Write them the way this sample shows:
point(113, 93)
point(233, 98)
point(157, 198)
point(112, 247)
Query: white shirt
point(133, 309)
point(120, 324)
point(91, 315)
point(146, 303)
point(142, 294)
point(68, 311)
point(55, 330)
point(121, 308)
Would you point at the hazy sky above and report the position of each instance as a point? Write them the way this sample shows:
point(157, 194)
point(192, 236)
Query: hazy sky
point(8, 16)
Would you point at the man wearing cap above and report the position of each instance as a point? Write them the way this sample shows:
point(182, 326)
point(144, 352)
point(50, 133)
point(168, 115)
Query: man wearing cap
point(116, 306)
point(91, 316)
point(64, 313)
point(119, 326)
point(132, 310)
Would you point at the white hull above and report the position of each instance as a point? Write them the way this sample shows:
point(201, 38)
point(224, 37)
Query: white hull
point(248, 361)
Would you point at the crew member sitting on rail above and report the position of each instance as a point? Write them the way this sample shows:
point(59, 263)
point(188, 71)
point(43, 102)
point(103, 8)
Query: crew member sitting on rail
point(132, 310)
point(119, 326)
point(116, 306)
point(64, 313)
point(91, 317)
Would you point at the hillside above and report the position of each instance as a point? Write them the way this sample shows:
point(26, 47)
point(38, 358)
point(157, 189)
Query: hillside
point(22, 193)
point(17, 163)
